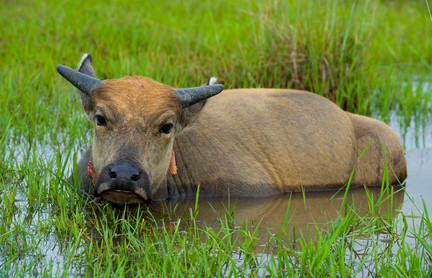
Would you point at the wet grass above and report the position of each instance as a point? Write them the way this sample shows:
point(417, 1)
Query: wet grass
point(364, 55)
point(93, 239)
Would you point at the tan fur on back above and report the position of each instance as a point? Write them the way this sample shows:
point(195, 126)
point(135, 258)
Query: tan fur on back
point(257, 142)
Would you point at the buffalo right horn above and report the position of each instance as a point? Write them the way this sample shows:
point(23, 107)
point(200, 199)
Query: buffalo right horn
point(189, 96)
point(83, 82)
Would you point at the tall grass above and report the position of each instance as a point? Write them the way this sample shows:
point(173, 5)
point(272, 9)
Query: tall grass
point(361, 54)
point(356, 53)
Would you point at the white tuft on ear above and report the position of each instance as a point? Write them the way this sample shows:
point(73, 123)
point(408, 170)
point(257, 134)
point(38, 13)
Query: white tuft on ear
point(212, 80)
point(84, 56)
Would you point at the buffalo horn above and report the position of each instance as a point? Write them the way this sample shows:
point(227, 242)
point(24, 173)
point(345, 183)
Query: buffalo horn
point(189, 96)
point(83, 82)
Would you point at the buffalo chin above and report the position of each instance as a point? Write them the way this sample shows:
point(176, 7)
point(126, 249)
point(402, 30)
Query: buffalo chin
point(122, 198)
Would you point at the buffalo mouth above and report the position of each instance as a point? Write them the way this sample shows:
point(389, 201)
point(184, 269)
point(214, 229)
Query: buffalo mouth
point(123, 197)
point(122, 184)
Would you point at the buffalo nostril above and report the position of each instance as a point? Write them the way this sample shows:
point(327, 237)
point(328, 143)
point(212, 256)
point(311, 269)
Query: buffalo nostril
point(124, 172)
point(135, 177)
point(112, 173)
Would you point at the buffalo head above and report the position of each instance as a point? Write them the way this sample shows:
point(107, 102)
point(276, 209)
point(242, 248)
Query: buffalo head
point(135, 120)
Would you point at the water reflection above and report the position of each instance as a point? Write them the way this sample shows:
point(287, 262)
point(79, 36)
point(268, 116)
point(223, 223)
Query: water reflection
point(413, 133)
point(419, 180)
point(416, 136)
point(306, 213)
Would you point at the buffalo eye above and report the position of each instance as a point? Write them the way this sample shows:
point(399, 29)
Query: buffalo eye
point(166, 128)
point(100, 120)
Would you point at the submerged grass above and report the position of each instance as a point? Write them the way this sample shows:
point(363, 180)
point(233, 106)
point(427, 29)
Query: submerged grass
point(364, 55)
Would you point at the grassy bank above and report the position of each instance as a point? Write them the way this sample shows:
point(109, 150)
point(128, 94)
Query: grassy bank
point(365, 56)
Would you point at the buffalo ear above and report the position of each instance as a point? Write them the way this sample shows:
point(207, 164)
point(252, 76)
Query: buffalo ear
point(85, 66)
point(189, 112)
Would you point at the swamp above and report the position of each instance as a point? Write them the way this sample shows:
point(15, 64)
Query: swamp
point(370, 57)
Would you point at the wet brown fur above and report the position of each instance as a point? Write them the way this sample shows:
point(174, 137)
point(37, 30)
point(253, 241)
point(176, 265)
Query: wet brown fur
point(244, 142)
point(256, 142)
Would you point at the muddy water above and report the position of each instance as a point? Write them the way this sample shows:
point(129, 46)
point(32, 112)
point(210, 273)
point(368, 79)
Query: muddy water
point(317, 209)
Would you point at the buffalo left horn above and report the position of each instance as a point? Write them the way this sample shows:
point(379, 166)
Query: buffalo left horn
point(83, 82)
point(189, 96)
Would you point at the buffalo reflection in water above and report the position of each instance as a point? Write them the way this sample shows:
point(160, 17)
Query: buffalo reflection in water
point(304, 213)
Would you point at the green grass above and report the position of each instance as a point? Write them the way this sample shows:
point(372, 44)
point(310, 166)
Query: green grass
point(367, 56)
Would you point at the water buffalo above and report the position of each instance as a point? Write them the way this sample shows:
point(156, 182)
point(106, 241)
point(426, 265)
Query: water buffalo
point(153, 142)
